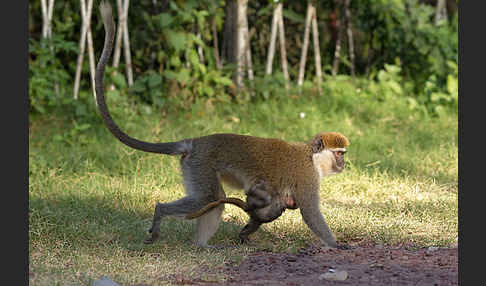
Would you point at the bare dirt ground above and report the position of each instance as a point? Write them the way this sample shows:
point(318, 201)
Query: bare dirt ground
point(364, 264)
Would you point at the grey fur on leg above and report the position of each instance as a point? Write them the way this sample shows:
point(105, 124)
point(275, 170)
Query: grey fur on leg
point(207, 225)
point(178, 208)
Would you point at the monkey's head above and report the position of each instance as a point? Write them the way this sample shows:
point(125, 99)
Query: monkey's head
point(328, 152)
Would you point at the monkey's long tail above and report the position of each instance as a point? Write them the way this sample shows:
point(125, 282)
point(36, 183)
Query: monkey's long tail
point(170, 148)
point(212, 205)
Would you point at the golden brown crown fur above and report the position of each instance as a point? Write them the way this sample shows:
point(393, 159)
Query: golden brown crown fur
point(333, 140)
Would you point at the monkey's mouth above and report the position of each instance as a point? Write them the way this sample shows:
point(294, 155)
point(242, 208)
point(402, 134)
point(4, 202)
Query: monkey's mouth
point(338, 168)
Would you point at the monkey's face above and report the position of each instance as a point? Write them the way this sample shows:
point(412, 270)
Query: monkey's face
point(328, 153)
point(329, 161)
point(339, 162)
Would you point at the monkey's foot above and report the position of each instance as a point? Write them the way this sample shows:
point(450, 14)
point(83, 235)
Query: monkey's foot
point(148, 241)
point(244, 239)
point(152, 238)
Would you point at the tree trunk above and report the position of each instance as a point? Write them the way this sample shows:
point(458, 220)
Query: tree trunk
point(305, 45)
point(126, 41)
point(273, 38)
point(349, 31)
point(199, 47)
point(248, 60)
point(317, 52)
point(92, 65)
point(47, 10)
point(215, 43)
point(283, 51)
point(241, 40)
point(82, 44)
point(122, 34)
point(440, 11)
point(337, 50)
point(228, 54)
point(119, 35)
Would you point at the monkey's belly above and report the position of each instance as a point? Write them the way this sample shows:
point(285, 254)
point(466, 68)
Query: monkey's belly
point(231, 180)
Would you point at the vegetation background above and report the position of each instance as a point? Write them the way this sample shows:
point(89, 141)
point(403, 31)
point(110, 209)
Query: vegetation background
point(91, 198)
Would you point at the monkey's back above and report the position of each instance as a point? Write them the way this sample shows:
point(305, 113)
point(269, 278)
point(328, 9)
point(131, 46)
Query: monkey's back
point(277, 162)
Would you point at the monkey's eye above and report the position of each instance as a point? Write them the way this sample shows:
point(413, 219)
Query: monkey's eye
point(340, 153)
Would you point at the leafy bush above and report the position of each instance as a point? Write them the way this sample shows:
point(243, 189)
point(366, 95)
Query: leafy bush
point(46, 73)
point(404, 30)
point(397, 45)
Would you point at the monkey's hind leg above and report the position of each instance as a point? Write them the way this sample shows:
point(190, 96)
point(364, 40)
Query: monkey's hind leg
point(207, 225)
point(178, 208)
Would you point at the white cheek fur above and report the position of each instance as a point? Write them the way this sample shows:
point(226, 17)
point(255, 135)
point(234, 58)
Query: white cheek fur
point(323, 162)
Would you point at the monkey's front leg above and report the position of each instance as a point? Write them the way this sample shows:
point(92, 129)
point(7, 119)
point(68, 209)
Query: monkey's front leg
point(310, 210)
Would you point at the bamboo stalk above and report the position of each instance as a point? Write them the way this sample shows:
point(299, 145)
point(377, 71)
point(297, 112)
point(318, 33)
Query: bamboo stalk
point(215, 43)
point(49, 17)
point(248, 57)
point(91, 56)
point(305, 45)
point(242, 31)
point(123, 35)
point(349, 31)
point(119, 34)
point(283, 51)
point(47, 9)
point(273, 37)
point(118, 40)
point(440, 12)
point(82, 42)
point(317, 53)
point(249, 63)
point(126, 42)
point(337, 50)
point(199, 47)
point(44, 18)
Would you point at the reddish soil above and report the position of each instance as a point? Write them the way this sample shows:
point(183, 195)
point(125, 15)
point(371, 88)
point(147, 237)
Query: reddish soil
point(365, 264)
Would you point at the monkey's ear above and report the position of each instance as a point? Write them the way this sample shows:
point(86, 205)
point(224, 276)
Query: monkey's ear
point(317, 145)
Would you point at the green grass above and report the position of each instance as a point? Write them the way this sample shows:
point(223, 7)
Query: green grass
point(91, 198)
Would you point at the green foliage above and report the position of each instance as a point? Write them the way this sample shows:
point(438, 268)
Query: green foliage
point(181, 76)
point(46, 70)
point(406, 30)
point(74, 136)
point(435, 97)
point(397, 45)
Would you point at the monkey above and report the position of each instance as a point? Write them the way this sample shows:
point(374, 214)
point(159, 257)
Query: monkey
point(277, 207)
point(291, 171)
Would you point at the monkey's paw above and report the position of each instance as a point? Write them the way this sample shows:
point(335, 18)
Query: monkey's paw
point(148, 241)
point(152, 238)
point(244, 239)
